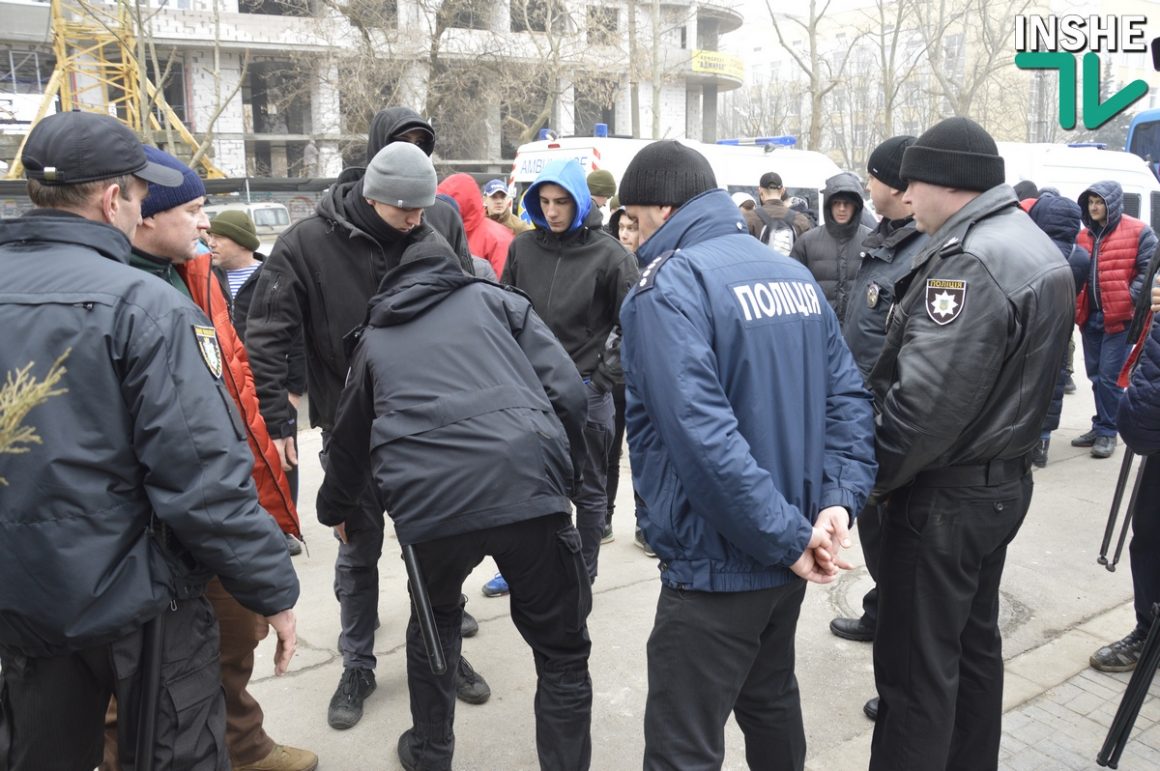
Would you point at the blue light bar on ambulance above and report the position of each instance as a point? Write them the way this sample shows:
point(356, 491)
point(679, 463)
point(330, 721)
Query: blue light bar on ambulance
point(782, 140)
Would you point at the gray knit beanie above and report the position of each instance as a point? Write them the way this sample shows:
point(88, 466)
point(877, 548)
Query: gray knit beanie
point(401, 175)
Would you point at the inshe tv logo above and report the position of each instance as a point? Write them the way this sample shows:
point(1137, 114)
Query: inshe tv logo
point(1055, 42)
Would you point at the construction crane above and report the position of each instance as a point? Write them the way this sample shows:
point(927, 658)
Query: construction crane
point(98, 70)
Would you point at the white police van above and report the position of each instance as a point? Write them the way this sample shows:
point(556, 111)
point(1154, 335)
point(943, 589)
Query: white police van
point(1071, 169)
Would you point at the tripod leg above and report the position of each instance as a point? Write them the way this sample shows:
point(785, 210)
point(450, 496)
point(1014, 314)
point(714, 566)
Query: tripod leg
point(1117, 498)
point(1128, 516)
point(1134, 696)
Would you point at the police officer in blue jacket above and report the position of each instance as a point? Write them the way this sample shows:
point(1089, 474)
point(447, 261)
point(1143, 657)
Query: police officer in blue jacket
point(751, 438)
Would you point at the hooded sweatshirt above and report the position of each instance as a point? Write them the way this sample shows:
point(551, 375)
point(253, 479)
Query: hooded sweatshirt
point(488, 432)
point(576, 279)
point(833, 253)
point(485, 238)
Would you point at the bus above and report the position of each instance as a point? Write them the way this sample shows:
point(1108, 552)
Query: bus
point(1144, 138)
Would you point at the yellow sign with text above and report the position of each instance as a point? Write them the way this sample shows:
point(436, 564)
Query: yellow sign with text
point(717, 63)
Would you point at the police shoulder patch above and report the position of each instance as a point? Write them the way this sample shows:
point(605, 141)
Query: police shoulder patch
point(211, 352)
point(648, 276)
point(945, 299)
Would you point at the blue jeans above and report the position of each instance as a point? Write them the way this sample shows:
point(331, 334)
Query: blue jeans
point(1103, 357)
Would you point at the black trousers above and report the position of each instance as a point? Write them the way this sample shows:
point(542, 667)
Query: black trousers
point(356, 577)
point(870, 536)
point(590, 499)
point(52, 710)
point(1144, 550)
point(551, 597)
point(712, 653)
point(612, 483)
point(938, 657)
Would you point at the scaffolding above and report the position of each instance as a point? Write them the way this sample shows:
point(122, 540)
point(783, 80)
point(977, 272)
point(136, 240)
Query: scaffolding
point(99, 69)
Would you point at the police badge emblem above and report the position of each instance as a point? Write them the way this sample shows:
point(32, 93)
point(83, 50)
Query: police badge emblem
point(211, 352)
point(873, 292)
point(945, 299)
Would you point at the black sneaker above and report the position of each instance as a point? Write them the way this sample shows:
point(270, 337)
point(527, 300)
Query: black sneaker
point(1104, 447)
point(406, 754)
point(639, 540)
point(607, 536)
point(1120, 656)
point(1069, 385)
point(1039, 454)
point(293, 545)
point(469, 626)
point(470, 685)
point(1084, 440)
point(870, 709)
point(346, 706)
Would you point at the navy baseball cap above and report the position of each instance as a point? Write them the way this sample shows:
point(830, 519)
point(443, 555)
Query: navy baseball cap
point(71, 148)
point(494, 186)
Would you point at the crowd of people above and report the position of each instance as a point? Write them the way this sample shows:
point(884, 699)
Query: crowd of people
point(781, 376)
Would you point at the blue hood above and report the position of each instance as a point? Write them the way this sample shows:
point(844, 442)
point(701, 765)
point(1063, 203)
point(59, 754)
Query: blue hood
point(1113, 196)
point(569, 175)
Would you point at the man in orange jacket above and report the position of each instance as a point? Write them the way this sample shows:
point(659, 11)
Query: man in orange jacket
point(166, 245)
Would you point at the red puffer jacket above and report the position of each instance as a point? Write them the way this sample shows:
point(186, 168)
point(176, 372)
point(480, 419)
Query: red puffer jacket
point(1120, 252)
point(273, 489)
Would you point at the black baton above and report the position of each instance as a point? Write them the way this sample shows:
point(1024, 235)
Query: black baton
point(423, 611)
point(152, 651)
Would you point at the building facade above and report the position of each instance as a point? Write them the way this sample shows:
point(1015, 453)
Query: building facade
point(286, 87)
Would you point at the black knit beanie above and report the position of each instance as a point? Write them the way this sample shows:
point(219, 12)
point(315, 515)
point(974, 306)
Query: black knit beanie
point(886, 159)
point(956, 152)
point(665, 173)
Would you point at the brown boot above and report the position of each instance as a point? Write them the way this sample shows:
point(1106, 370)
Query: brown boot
point(283, 758)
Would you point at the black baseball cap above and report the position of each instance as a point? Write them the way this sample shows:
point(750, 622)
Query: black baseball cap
point(71, 148)
point(770, 179)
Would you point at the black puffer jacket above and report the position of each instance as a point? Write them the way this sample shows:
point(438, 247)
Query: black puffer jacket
point(833, 252)
point(974, 344)
point(318, 279)
point(145, 429)
point(478, 436)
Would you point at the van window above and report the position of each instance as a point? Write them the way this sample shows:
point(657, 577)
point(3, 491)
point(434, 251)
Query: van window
point(1155, 210)
point(271, 217)
point(1132, 204)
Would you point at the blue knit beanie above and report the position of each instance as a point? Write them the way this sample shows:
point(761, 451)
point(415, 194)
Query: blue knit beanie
point(164, 198)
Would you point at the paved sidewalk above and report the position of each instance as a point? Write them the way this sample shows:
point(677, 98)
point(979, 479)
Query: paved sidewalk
point(1057, 709)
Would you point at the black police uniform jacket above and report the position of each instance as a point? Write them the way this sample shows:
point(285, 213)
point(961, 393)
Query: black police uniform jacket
point(886, 256)
point(973, 344)
point(316, 281)
point(462, 404)
point(144, 432)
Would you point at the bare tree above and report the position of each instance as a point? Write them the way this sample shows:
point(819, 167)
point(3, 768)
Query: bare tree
point(968, 42)
point(822, 72)
point(897, 55)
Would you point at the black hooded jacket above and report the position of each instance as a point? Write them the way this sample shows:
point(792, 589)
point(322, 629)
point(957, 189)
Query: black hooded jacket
point(488, 432)
point(318, 279)
point(386, 126)
point(833, 252)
